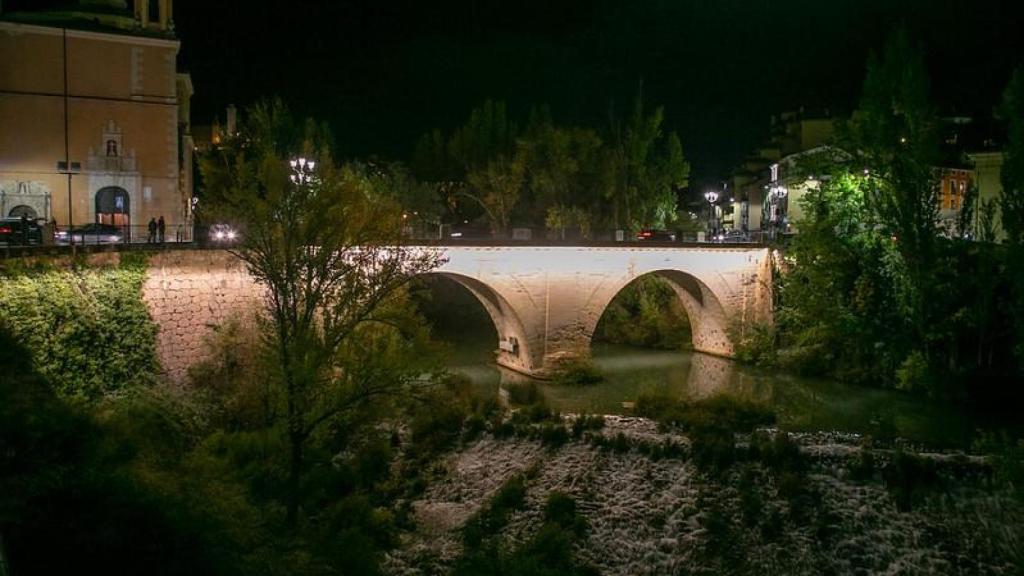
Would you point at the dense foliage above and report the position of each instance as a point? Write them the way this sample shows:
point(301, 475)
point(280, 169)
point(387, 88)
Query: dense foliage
point(327, 247)
point(871, 290)
point(572, 180)
point(648, 313)
point(87, 326)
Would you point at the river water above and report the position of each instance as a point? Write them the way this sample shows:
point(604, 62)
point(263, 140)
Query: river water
point(800, 404)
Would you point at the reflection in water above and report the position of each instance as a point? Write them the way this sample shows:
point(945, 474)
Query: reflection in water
point(800, 404)
point(708, 376)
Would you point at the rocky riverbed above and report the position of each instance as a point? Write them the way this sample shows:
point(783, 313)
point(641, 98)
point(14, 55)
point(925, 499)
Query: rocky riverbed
point(851, 508)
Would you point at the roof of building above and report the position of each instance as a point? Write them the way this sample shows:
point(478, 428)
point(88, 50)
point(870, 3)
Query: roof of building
point(90, 16)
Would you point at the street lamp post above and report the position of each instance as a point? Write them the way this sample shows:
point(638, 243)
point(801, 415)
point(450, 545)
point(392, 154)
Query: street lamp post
point(711, 196)
point(776, 194)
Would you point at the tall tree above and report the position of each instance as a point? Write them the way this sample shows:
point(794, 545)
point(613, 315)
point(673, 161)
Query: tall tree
point(487, 134)
point(561, 164)
point(894, 136)
point(644, 169)
point(497, 187)
point(328, 253)
point(1011, 111)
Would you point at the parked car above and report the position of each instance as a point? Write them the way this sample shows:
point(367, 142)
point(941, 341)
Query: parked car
point(656, 236)
point(91, 234)
point(732, 236)
point(469, 232)
point(18, 232)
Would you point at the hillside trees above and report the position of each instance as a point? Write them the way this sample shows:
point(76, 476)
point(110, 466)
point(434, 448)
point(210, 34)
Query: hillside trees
point(876, 293)
point(557, 176)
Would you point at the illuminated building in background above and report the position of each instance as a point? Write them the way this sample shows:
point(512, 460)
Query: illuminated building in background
point(94, 116)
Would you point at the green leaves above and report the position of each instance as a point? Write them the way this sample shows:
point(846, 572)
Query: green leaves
point(87, 328)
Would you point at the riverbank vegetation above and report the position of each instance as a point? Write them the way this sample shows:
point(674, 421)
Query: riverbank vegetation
point(87, 326)
point(871, 290)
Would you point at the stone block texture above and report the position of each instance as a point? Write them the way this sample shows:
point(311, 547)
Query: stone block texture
point(190, 293)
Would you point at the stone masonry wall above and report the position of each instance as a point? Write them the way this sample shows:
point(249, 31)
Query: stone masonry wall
point(189, 294)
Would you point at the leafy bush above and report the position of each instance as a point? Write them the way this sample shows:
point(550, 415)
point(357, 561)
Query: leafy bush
point(777, 452)
point(494, 516)
point(88, 328)
point(548, 553)
point(910, 478)
point(553, 435)
point(578, 373)
point(914, 373)
point(585, 422)
point(722, 411)
point(524, 393)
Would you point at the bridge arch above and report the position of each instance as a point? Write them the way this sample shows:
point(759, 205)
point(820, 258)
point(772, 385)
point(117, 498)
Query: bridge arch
point(514, 349)
point(707, 316)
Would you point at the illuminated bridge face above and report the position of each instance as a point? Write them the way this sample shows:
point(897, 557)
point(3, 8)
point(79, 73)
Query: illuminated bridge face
point(546, 301)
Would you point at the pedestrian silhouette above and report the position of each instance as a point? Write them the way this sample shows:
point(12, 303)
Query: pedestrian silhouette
point(161, 227)
point(152, 231)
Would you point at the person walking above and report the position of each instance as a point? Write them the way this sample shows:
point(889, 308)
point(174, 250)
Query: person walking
point(161, 228)
point(152, 231)
point(24, 229)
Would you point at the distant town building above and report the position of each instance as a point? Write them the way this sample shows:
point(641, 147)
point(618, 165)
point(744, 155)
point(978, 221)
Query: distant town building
point(769, 185)
point(94, 116)
point(750, 205)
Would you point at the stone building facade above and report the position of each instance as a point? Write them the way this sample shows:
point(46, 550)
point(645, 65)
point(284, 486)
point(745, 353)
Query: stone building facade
point(93, 90)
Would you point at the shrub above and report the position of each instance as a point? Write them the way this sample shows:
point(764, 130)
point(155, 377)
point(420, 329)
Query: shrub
point(719, 411)
point(914, 373)
point(757, 346)
point(586, 422)
point(560, 509)
point(88, 329)
point(524, 393)
point(910, 478)
point(548, 553)
point(713, 447)
point(553, 435)
point(777, 452)
point(494, 516)
point(578, 373)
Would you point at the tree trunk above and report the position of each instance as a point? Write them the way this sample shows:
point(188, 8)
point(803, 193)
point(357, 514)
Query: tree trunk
point(294, 477)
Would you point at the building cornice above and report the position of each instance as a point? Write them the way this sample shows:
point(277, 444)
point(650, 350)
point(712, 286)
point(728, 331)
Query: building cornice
point(19, 28)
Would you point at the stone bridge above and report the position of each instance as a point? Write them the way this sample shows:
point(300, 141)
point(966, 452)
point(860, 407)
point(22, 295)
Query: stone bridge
point(545, 301)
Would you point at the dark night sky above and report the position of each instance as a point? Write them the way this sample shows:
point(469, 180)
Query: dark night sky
point(382, 72)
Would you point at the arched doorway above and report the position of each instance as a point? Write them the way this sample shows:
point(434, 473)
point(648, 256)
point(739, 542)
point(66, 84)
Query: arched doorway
point(113, 207)
point(23, 210)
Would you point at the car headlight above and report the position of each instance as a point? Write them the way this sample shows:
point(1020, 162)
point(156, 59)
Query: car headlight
point(219, 235)
point(231, 234)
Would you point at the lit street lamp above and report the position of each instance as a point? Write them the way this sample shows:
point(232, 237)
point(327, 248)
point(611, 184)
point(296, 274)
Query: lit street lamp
point(303, 171)
point(776, 194)
point(711, 196)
